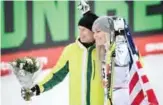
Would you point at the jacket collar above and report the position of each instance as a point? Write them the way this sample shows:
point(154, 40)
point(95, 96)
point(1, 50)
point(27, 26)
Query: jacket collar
point(80, 44)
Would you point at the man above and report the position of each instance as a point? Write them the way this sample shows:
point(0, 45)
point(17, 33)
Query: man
point(80, 61)
point(103, 28)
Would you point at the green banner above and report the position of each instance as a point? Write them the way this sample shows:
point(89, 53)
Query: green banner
point(29, 25)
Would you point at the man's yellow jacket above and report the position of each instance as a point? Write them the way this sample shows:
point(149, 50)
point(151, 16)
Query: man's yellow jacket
point(85, 84)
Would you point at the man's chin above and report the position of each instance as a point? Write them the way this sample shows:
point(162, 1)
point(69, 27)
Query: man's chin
point(83, 41)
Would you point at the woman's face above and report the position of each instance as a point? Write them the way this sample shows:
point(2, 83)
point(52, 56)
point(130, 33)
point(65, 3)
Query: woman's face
point(100, 37)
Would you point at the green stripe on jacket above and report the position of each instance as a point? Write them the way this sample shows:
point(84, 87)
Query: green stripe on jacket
point(57, 77)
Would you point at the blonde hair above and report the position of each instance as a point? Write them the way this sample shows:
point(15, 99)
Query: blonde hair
point(101, 53)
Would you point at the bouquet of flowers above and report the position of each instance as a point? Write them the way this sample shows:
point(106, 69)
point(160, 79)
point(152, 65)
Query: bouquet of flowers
point(26, 70)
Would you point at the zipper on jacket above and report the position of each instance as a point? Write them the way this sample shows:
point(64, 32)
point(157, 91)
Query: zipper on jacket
point(94, 69)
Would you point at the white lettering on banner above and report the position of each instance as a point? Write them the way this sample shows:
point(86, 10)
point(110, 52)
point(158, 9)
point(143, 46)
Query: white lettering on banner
point(43, 60)
point(5, 66)
point(154, 47)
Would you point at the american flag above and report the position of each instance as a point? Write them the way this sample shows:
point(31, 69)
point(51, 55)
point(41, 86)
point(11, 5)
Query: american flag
point(141, 93)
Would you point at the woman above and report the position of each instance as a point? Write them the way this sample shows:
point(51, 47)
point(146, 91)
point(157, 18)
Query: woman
point(104, 33)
